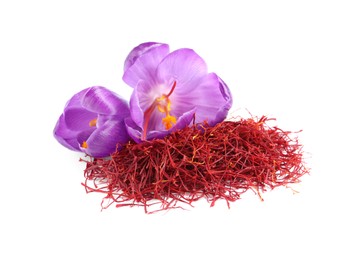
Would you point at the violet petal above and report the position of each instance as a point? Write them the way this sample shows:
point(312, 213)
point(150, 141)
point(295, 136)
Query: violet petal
point(141, 65)
point(185, 67)
point(65, 136)
point(103, 141)
point(135, 110)
point(222, 112)
point(133, 130)
point(78, 119)
point(210, 99)
point(139, 51)
point(103, 101)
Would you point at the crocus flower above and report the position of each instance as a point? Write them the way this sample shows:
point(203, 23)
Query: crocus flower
point(171, 91)
point(93, 122)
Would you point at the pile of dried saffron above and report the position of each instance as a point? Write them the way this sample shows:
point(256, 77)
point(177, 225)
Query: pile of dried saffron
point(219, 162)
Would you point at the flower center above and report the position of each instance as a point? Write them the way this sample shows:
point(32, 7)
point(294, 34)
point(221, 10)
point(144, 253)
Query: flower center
point(163, 105)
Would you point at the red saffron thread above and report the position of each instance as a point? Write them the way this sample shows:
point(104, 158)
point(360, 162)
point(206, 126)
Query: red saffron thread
point(219, 162)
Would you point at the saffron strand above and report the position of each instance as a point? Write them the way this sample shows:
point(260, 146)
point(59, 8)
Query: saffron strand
point(216, 163)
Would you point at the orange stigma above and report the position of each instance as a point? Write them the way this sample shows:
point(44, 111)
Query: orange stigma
point(163, 105)
point(84, 145)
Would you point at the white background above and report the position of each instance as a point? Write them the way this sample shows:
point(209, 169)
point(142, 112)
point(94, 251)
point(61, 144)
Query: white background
point(298, 61)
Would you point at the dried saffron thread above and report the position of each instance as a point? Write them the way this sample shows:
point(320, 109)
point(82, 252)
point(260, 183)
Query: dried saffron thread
point(219, 162)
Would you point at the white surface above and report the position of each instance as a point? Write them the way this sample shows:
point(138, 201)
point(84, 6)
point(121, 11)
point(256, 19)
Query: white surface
point(298, 61)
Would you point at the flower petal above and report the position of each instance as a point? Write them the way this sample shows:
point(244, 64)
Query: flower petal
point(65, 136)
point(139, 51)
point(103, 101)
point(142, 62)
point(102, 119)
point(211, 98)
point(103, 141)
point(69, 125)
point(183, 66)
point(78, 119)
point(184, 120)
point(135, 110)
point(133, 130)
point(223, 110)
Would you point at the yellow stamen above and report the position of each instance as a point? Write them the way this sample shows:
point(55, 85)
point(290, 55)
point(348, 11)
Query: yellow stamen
point(159, 99)
point(84, 145)
point(93, 122)
point(168, 121)
point(161, 109)
point(168, 106)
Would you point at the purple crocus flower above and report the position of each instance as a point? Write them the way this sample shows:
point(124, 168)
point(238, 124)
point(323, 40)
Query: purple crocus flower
point(171, 90)
point(93, 122)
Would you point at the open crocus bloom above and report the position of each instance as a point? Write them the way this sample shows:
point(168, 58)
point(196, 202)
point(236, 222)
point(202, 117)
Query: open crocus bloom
point(93, 122)
point(171, 90)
